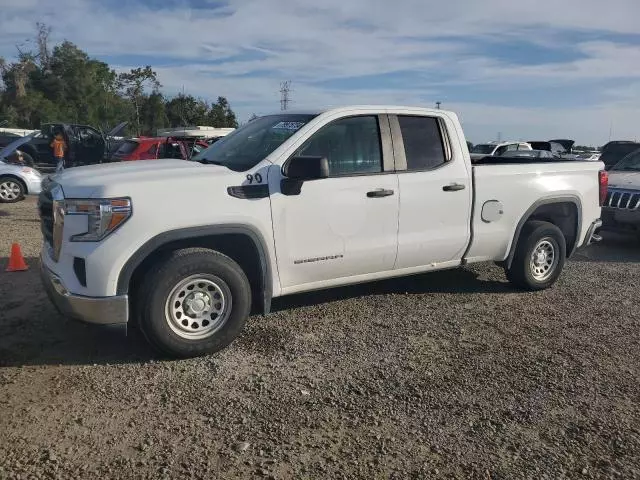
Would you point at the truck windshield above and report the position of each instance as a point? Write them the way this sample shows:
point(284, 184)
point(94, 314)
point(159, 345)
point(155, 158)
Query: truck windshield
point(245, 147)
point(484, 149)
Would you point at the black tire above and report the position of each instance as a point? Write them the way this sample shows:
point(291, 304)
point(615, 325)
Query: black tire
point(524, 273)
point(217, 272)
point(12, 190)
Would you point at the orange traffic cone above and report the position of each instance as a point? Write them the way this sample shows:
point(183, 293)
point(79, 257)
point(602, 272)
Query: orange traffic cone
point(16, 260)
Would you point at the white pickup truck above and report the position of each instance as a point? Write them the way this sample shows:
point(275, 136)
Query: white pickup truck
point(295, 202)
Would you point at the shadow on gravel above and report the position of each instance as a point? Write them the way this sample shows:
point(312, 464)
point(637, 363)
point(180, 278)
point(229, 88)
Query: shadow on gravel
point(614, 248)
point(32, 332)
point(4, 213)
point(456, 281)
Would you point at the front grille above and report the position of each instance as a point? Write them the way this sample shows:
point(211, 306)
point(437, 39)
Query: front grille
point(622, 199)
point(45, 208)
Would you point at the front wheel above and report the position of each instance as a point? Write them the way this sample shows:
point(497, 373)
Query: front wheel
point(539, 258)
point(11, 190)
point(193, 303)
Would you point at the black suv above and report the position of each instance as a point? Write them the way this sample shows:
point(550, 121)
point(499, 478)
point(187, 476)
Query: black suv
point(615, 151)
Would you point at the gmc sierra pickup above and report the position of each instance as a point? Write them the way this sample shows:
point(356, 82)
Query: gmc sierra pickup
point(296, 202)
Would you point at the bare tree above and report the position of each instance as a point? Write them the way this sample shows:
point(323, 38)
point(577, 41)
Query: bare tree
point(44, 56)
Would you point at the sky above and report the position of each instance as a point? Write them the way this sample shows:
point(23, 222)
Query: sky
point(511, 69)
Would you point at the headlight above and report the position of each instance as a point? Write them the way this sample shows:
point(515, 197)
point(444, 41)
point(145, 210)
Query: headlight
point(103, 216)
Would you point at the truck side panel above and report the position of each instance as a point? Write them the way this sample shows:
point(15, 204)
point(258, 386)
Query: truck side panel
point(505, 194)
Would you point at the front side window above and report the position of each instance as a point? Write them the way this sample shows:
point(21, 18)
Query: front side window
point(351, 145)
point(423, 145)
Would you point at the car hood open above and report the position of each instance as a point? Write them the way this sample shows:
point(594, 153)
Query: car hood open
point(17, 143)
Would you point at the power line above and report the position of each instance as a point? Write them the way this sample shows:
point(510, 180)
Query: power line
point(285, 90)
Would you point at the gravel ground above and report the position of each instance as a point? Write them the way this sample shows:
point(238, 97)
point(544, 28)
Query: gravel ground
point(446, 375)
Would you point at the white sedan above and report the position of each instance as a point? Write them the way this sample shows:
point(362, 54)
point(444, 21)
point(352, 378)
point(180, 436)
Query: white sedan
point(16, 181)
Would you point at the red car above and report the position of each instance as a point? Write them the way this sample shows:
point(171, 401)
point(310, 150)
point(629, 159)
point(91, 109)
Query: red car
point(152, 148)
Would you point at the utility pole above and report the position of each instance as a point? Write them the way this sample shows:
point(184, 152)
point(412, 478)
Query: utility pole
point(610, 129)
point(438, 105)
point(285, 90)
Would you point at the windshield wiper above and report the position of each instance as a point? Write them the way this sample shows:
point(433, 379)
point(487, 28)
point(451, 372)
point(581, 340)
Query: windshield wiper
point(209, 162)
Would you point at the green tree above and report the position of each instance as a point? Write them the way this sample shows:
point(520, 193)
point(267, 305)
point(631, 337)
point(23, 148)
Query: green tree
point(133, 85)
point(185, 110)
point(153, 114)
point(221, 114)
point(65, 84)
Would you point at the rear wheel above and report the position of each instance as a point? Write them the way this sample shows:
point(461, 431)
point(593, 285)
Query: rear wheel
point(11, 190)
point(193, 303)
point(539, 258)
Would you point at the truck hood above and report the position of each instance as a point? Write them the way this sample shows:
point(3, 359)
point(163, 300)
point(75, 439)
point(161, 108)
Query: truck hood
point(629, 180)
point(121, 178)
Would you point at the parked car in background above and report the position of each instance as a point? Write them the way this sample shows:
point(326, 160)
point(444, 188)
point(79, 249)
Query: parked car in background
point(527, 153)
point(558, 148)
point(589, 156)
point(621, 209)
point(198, 131)
point(302, 202)
point(616, 150)
point(87, 145)
point(153, 148)
point(16, 181)
point(496, 148)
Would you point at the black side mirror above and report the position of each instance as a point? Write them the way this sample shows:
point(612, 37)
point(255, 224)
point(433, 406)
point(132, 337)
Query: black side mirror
point(306, 168)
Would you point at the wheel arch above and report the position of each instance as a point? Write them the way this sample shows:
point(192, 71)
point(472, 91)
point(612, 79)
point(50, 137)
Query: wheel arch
point(564, 211)
point(242, 243)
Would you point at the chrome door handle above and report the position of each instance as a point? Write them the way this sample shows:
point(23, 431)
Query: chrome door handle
point(454, 187)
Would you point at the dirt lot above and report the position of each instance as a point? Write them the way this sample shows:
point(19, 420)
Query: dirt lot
point(446, 375)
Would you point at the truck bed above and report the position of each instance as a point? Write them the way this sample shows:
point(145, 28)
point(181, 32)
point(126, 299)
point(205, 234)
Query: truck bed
point(517, 189)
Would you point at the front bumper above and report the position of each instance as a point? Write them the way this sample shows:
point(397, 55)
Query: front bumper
point(113, 311)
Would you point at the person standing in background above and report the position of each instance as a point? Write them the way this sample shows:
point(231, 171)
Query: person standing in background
point(59, 147)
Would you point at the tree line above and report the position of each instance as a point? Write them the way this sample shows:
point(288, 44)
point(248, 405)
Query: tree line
point(64, 84)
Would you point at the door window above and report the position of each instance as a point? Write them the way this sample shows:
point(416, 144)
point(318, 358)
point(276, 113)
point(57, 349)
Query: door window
point(423, 146)
point(351, 145)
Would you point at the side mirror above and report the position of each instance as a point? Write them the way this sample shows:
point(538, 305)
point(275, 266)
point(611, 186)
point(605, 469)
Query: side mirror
point(306, 168)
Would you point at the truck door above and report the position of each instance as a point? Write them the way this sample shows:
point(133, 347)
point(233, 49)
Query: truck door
point(435, 192)
point(90, 145)
point(345, 225)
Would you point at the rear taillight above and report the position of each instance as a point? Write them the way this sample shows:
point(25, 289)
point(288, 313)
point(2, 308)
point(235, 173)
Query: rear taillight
point(603, 183)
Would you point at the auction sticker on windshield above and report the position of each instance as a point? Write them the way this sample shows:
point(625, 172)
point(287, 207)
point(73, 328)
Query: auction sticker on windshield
point(288, 125)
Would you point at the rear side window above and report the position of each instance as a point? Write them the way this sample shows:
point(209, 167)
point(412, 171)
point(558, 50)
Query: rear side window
point(423, 144)
point(127, 147)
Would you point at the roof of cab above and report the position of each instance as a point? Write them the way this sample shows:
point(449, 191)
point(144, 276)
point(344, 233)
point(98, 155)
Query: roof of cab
point(347, 108)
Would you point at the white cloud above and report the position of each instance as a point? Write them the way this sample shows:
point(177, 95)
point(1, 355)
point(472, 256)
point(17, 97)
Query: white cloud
point(336, 39)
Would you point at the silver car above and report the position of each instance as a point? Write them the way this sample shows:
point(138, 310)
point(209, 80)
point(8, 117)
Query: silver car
point(16, 181)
